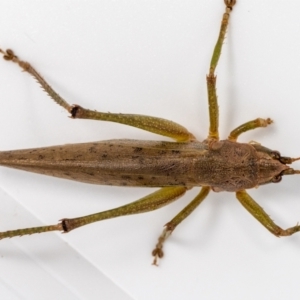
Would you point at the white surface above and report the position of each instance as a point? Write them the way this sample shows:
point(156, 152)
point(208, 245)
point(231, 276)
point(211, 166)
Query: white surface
point(147, 57)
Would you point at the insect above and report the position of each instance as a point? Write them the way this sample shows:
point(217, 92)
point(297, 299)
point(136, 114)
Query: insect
point(175, 167)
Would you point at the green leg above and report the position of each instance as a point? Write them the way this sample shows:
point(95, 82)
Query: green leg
point(257, 123)
point(170, 226)
point(151, 202)
point(156, 125)
point(259, 214)
point(211, 77)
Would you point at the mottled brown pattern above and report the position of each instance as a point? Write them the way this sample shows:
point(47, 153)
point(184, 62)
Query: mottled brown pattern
point(223, 165)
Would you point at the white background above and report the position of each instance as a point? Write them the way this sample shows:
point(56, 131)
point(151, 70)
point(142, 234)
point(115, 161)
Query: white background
point(147, 57)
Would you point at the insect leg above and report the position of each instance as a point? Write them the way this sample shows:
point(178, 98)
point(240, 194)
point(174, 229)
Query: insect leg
point(151, 202)
point(211, 77)
point(258, 213)
point(156, 125)
point(257, 123)
point(170, 226)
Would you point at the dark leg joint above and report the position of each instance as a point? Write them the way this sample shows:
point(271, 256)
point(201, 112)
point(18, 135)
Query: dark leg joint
point(65, 225)
point(76, 111)
point(211, 79)
point(70, 224)
point(170, 227)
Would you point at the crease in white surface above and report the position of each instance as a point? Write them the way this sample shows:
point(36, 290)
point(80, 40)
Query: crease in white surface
point(10, 291)
point(46, 268)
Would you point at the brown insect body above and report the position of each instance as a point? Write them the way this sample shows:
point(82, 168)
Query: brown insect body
point(175, 167)
point(222, 165)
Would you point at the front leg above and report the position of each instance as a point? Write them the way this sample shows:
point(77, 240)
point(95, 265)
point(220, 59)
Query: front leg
point(250, 125)
point(156, 125)
point(259, 214)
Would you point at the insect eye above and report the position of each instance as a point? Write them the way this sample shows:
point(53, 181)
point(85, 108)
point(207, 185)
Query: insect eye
point(275, 154)
point(277, 178)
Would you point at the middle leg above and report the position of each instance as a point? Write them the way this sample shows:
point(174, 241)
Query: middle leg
point(170, 226)
point(211, 77)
